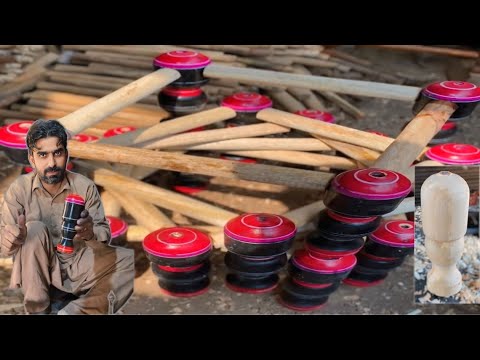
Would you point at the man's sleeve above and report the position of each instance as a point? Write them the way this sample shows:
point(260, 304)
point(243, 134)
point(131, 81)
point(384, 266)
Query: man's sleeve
point(93, 204)
point(11, 207)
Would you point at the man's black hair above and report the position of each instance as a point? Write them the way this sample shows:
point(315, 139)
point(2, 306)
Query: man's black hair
point(41, 129)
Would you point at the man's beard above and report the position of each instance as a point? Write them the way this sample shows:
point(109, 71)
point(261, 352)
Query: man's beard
point(53, 179)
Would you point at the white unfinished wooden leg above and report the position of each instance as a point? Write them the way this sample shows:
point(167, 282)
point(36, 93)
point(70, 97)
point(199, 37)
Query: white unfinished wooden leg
point(444, 197)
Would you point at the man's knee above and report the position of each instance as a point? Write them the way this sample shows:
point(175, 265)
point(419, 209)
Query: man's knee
point(37, 234)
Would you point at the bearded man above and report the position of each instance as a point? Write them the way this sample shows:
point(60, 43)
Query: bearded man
point(98, 278)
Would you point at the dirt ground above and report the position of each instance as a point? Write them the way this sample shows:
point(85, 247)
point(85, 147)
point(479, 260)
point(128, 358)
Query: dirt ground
point(394, 296)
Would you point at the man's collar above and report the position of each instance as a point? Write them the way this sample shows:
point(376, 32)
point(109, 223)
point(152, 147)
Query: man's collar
point(38, 184)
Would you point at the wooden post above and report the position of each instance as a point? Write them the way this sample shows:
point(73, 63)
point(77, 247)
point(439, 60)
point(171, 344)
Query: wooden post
point(180, 124)
point(50, 86)
point(416, 135)
point(325, 130)
point(444, 199)
point(303, 215)
point(286, 100)
point(94, 112)
point(110, 204)
point(299, 157)
point(200, 137)
point(432, 50)
point(200, 165)
point(281, 79)
point(365, 156)
point(144, 213)
point(298, 144)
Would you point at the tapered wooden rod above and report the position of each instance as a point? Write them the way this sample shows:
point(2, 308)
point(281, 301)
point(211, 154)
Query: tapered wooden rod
point(415, 136)
point(174, 126)
point(364, 155)
point(325, 130)
point(201, 165)
point(342, 86)
point(96, 111)
point(110, 204)
point(303, 215)
point(144, 213)
point(299, 157)
point(432, 50)
point(298, 144)
point(200, 137)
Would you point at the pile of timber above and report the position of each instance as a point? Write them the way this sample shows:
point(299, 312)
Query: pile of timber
point(21, 68)
point(14, 59)
point(96, 70)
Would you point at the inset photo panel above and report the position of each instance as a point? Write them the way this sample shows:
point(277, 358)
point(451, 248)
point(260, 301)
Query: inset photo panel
point(447, 244)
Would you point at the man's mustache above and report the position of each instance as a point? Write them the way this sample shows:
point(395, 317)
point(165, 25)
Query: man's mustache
point(55, 168)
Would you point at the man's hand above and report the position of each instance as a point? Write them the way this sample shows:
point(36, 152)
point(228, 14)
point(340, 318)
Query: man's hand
point(14, 236)
point(84, 227)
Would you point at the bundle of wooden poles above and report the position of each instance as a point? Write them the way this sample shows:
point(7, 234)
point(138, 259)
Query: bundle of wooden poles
point(15, 59)
point(96, 70)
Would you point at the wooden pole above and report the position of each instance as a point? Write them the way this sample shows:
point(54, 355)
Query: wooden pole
point(136, 233)
point(200, 165)
point(200, 137)
point(415, 136)
point(343, 104)
point(81, 100)
point(286, 100)
point(22, 83)
point(331, 96)
point(344, 86)
point(299, 157)
point(110, 204)
point(303, 215)
point(365, 156)
point(144, 213)
point(106, 123)
point(325, 130)
point(94, 112)
point(133, 118)
point(432, 50)
point(45, 85)
point(308, 98)
point(298, 144)
point(178, 125)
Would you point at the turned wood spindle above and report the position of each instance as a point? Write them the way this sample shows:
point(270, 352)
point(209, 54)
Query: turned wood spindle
point(444, 198)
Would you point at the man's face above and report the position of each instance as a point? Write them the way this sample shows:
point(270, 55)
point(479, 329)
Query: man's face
point(49, 158)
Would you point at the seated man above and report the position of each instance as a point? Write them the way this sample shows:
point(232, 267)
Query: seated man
point(100, 276)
